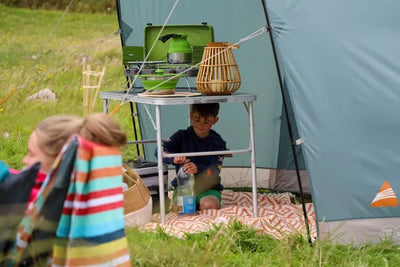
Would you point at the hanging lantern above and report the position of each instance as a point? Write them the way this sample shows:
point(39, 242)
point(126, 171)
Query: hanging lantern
point(218, 72)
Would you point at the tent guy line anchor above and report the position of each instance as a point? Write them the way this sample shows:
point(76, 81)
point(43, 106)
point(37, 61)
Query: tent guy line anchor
point(299, 141)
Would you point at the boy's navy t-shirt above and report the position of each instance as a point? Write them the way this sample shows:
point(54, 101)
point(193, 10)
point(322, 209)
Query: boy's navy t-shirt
point(184, 141)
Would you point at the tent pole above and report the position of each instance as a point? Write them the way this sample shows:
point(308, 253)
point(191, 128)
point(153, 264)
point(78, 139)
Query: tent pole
point(292, 141)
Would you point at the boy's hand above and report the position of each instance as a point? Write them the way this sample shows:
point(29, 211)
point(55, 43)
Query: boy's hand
point(190, 168)
point(179, 160)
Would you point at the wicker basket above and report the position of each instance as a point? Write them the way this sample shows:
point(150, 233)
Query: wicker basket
point(137, 196)
point(218, 72)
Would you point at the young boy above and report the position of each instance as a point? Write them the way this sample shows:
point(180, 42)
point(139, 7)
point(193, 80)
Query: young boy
point(199, 138)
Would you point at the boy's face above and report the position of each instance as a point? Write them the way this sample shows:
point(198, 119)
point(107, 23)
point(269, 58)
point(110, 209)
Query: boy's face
point(202, 125)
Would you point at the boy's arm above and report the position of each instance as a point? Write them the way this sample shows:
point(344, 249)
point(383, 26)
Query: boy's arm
point(214, 161)
point(165, 160)
point(209, 178)
point(169, 146)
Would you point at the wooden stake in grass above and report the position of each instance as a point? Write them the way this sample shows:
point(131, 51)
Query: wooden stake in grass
point(91, 87)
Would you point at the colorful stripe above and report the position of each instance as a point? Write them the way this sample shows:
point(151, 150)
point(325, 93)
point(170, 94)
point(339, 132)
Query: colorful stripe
point(90, 230)
point(90, 225)
point(97, 163)
point(94, 194)
point(91, 203)
point(88, 151)
point(95, 185)
point(113, 253)
point(91, 210)
point(98, 173)
point(100, 239)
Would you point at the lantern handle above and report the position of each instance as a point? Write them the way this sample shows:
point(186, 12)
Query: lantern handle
point(223, 44)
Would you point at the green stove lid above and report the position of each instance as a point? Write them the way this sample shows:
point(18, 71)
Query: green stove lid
point(198, 35)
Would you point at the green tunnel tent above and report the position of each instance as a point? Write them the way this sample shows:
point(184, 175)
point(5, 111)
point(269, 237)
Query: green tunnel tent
point(337, 66)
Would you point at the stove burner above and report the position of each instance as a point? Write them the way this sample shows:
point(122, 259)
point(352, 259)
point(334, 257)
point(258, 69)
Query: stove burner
point(151, 66)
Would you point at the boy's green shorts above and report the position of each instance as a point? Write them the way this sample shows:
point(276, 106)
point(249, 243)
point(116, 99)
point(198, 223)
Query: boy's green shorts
point(210, 192)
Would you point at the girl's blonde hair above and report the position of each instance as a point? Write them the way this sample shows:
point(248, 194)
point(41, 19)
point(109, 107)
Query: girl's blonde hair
point(54, 132)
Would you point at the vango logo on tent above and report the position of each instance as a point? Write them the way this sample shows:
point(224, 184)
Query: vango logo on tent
point(385, 197)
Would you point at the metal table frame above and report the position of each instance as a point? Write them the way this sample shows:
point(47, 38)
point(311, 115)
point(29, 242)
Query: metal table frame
point(157, 102)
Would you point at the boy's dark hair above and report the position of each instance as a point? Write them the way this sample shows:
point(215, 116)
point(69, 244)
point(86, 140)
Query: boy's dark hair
point(206, 110)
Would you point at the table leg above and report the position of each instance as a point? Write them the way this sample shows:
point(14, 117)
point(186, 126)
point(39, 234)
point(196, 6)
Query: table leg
point(160, 164)
point(253, 160)
point(105, 105)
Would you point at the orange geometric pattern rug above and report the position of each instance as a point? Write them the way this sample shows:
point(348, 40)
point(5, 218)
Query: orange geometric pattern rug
point(277, 216)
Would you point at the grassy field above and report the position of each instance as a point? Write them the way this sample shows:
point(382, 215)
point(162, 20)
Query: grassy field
point(87, 6)
point(238, 245)
point(38, 50)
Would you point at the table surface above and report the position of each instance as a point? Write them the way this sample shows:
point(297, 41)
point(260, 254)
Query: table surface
point(181, 100)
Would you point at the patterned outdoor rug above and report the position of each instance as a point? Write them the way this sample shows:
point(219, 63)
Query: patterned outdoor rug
point(277, 216)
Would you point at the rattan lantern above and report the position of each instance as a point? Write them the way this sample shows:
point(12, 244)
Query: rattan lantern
point(218, 72)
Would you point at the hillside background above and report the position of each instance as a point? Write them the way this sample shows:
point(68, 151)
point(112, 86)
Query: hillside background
point(42, 49)
point(83, 6)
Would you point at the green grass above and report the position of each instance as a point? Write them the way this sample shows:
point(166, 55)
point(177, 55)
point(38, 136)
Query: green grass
point(36, 54)
point(238, 245)
point(38, 50)
point(87, 6)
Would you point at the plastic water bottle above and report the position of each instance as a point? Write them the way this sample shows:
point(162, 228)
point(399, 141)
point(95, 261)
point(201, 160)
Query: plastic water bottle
point(186, 200)
point(191, 184)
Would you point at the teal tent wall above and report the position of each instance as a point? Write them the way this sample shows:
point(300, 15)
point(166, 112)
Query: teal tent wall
point(232, 21)
point(340, 63)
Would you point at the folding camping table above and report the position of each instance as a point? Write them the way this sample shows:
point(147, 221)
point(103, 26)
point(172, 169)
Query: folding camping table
point(158, 101)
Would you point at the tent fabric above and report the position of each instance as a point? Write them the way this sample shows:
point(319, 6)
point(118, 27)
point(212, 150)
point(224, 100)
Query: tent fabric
point(77, 218)
point(340, 63)
point(286, 175)
point(256, 65)
point(254, 59)
point(340, 66)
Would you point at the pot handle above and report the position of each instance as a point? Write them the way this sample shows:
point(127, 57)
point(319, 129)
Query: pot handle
point(168, 36)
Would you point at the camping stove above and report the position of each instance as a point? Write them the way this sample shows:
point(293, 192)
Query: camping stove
point(197, 36)
point(151, 67)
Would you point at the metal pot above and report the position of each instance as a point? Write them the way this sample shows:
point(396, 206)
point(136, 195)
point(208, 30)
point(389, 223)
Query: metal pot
point(179, 58)
point(180, 50)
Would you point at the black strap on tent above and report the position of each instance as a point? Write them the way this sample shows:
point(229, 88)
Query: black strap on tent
point(133, 106)
point(284, 100)
point(133, 115)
